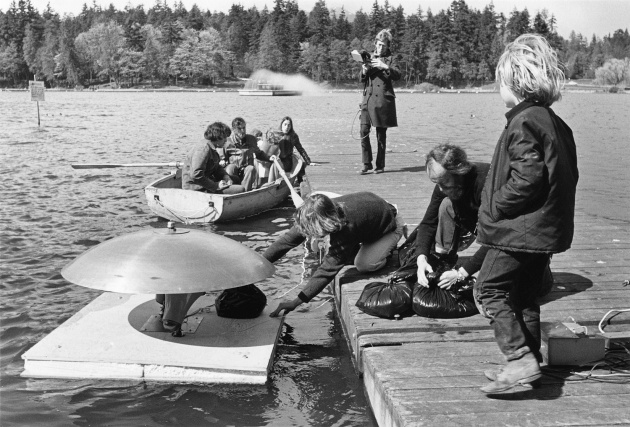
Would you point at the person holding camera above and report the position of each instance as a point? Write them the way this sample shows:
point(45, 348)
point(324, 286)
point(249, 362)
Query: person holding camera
point(378, 107)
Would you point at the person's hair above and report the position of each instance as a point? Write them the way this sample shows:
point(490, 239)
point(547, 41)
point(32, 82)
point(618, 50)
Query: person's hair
point(290, 121)
point(451, 157)
point(237, 122)
point(319, 216)
point(273, 136)
point(385, 36)
point(257, 133)
point(217, 131)
point(529, 67)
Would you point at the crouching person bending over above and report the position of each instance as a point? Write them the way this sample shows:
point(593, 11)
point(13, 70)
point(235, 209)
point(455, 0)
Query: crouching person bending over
point(363, 230)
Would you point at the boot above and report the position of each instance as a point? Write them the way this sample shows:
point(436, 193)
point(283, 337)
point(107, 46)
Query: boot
point(520, 371)
point(492, 374)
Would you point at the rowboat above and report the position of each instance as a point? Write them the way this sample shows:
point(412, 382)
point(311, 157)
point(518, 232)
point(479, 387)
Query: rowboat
point(166, 198)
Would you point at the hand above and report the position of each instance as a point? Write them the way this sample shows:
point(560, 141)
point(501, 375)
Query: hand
point(364, 68)
point(273, 158)
point(313, 164)
point(448, 279)
point(222, 163)
point(423, 269)
point(223, 184)
point(287, 306)
point(378, 63)
point(451, 277)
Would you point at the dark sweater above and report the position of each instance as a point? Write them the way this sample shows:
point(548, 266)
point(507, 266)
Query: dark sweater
point(466, 212)
point(368, 217)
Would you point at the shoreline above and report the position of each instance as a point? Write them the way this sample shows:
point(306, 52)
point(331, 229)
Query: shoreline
point(405, 90)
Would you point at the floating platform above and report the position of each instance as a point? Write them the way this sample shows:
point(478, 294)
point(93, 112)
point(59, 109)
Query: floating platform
point(269, 92)
point(120, 336)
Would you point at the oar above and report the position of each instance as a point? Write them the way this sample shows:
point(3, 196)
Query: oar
point(125, 165)
point(297, 200)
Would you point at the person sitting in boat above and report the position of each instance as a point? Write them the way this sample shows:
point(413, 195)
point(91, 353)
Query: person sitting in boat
point(241, 150)
point(289, 142)
point(257, 134)
point(362, 229)
point(202, 171)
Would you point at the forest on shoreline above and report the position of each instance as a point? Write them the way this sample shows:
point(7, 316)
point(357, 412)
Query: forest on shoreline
point(170, 45)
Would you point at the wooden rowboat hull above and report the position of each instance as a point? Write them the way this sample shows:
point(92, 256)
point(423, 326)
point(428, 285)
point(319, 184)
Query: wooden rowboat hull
point(166, 199)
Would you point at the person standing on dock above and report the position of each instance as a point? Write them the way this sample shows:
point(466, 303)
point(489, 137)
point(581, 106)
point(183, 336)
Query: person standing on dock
point(363, 230)
point(378, 107)
point(527, 206)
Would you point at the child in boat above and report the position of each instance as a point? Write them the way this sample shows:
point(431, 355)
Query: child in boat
point(527, 206)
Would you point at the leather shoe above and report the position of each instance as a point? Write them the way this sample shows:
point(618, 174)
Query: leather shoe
point(366, 170)
point(517, 372)
point(379, 170)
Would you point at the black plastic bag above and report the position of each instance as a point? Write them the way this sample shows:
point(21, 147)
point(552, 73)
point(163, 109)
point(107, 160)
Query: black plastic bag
point(244, 302)
point(386, 299)
point(439, 303)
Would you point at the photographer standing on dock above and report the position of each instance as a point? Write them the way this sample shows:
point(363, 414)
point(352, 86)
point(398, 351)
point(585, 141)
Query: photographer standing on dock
point(378, 107)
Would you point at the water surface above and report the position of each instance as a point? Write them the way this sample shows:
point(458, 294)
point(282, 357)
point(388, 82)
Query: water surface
point(51, 213)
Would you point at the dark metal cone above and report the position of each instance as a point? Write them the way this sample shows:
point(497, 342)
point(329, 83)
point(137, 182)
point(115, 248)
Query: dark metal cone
point(167, 262)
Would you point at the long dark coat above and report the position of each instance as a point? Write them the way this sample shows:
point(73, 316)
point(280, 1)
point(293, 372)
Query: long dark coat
point(379, 102)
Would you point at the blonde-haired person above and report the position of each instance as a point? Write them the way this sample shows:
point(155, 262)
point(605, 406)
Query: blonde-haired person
point(363, 230)
point(527, 206)
point(378, 106)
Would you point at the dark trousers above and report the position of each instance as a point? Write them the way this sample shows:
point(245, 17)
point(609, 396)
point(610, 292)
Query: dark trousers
point(366, 147)
point(176, 306)
point(508, 287)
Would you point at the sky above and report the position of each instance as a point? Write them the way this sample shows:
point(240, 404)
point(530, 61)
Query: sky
point(588, 17)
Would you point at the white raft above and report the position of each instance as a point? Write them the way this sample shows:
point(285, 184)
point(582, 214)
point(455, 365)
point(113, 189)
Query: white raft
point(112, 338)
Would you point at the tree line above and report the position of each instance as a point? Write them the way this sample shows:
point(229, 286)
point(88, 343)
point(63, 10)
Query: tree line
point(170, 44)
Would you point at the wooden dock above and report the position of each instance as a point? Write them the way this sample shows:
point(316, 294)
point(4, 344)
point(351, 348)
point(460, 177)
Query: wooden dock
point(419, 371)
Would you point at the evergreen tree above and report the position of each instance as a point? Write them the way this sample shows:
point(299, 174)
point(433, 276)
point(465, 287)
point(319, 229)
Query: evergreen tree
point(269, 55)
point(361, 26)
point(319, 23)
point(517, 24)
point(377, 21)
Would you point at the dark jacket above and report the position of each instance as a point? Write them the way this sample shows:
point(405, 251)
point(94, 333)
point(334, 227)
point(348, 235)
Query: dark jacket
point(201, 169)
point(287, 145)
point(379, 100)
point(528, 201)
point(466, 214)
point(242, 153)
point(369, 218)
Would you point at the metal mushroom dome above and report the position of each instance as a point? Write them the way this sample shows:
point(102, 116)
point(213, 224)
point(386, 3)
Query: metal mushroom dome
point(167, 261)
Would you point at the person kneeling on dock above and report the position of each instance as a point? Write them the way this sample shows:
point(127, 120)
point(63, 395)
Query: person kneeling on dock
point(242, 149)
point(362, 227)
point(202, 171)
point(449, 223)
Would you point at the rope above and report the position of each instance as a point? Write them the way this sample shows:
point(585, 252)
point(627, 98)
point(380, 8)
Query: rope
point(352, 128)
point(186, 219)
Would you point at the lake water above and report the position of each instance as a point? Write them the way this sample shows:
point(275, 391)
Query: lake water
point(51, 213)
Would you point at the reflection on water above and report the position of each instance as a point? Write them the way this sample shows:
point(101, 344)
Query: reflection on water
point(52, 213)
